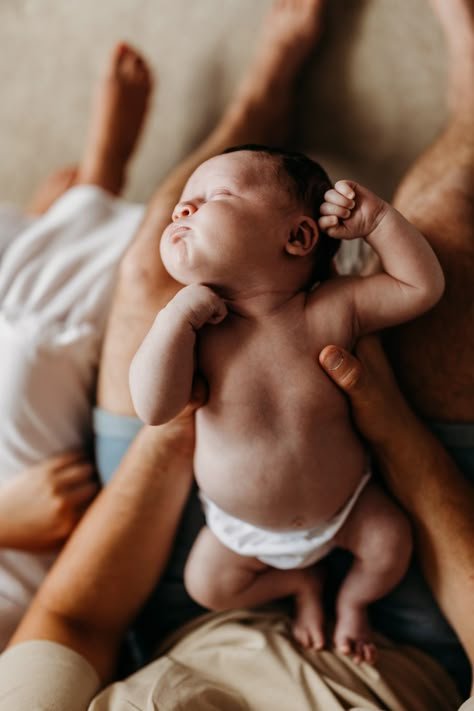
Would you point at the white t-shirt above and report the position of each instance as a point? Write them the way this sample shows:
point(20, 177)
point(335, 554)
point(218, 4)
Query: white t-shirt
point(57, 274)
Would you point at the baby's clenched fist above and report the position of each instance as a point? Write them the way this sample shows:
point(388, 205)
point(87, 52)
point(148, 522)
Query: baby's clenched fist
point(199, 305)
point(350, 211)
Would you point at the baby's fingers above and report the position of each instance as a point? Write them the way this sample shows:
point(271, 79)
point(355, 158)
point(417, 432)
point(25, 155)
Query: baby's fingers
point(330, 208)
point(326, 223)
point(342, 195)
point(333, 227)
point(346, 188)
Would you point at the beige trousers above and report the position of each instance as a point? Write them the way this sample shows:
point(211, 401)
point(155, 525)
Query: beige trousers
point(232, 661)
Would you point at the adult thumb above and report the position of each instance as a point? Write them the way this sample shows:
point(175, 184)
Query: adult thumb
point(342, 367)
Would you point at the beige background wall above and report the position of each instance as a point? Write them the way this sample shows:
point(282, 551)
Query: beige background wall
point(372, 98)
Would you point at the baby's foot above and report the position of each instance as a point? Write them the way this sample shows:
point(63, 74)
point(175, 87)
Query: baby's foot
point(308, 627)
point(51, 189)
point(291, 30)
point(117, 119)
point(353, 635)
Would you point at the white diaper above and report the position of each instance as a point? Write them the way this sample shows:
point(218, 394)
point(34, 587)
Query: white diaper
point(279, 549)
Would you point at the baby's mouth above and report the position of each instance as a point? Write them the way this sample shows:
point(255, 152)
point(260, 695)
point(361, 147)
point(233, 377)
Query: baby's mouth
point(177, 232)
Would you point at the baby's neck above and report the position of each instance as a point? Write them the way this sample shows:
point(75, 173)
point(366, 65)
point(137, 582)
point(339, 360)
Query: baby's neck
point(256, 304)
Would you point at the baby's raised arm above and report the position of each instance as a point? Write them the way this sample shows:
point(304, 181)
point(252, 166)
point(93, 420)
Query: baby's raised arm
point(412, 281)
point(161, 373)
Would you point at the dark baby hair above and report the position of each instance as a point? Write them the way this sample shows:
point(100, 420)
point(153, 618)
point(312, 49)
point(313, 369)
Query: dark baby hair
point(307, 182)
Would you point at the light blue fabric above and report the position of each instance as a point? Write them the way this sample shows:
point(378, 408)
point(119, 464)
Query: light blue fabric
point(113, 436)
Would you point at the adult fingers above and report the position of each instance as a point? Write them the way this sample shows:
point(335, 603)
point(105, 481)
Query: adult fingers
point(65, 459)
point(82, 494)
point(377, 404)
point(75, 474)
point(344, 369)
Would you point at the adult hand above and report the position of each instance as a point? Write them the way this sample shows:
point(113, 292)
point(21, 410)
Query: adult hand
point(41, 505)
point(378, 407)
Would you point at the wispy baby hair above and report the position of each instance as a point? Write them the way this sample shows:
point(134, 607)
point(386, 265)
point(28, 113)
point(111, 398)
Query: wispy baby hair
point(306, 182)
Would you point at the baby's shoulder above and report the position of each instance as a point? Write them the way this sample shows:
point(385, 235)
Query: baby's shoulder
point(337, 291)
point(329, 309)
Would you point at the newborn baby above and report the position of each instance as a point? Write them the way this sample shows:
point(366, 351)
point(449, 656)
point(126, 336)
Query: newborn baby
point(283, 476)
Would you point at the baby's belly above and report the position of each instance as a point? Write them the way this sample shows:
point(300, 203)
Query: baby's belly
point(276, 481)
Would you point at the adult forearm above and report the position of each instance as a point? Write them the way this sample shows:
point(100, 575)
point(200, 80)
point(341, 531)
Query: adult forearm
point(421, 475)
point(440, 501)
point(115, 556)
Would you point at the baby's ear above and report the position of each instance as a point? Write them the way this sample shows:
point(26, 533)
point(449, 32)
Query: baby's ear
point(303, 237)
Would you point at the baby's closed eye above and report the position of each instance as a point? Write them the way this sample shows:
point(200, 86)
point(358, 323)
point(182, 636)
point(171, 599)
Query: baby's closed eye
point(219, 192)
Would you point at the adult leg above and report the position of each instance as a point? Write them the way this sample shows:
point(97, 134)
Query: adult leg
point(260, 112)
point(437, 195)
point(117, 118)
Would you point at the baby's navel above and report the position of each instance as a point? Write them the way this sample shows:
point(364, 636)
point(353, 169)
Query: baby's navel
point(297, 522)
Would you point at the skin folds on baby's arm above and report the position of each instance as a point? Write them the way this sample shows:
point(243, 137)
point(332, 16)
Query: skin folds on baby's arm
point(162, 371)
point(412, 280)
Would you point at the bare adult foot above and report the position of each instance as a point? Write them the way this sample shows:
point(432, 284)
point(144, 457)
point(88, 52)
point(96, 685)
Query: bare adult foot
point(51, 189)
point(118, 115)
point(457, 20)
point(353, 635)
point(290, 33)
point(308, 627)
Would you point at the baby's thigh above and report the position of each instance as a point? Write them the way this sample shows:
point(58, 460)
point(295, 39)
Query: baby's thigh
point(213, 572)
point(377, 529)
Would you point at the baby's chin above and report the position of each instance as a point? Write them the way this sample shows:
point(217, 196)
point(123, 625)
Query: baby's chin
point(179, 267)
point(182, 275)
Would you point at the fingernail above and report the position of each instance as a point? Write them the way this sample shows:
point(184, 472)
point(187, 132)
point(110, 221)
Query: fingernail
point(334, 359)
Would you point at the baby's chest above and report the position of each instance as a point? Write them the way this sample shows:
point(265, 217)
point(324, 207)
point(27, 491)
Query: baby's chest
point(266, 367)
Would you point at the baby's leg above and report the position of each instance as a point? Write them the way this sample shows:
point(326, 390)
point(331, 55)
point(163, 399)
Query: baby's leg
point(379, 536)
point(219, 579)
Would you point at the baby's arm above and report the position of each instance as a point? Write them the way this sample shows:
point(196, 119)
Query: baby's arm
point(412, 281)
point(40, 506)
point(161, 373)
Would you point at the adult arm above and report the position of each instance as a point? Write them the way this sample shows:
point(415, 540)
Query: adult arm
point(116, 554)
point(420, 473)
point(161, 373)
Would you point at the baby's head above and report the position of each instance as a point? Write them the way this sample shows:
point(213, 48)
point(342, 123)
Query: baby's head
point(250, 213)
point(305, 183)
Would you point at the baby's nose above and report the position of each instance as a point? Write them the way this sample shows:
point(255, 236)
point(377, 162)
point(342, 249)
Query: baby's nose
point(183, 209)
